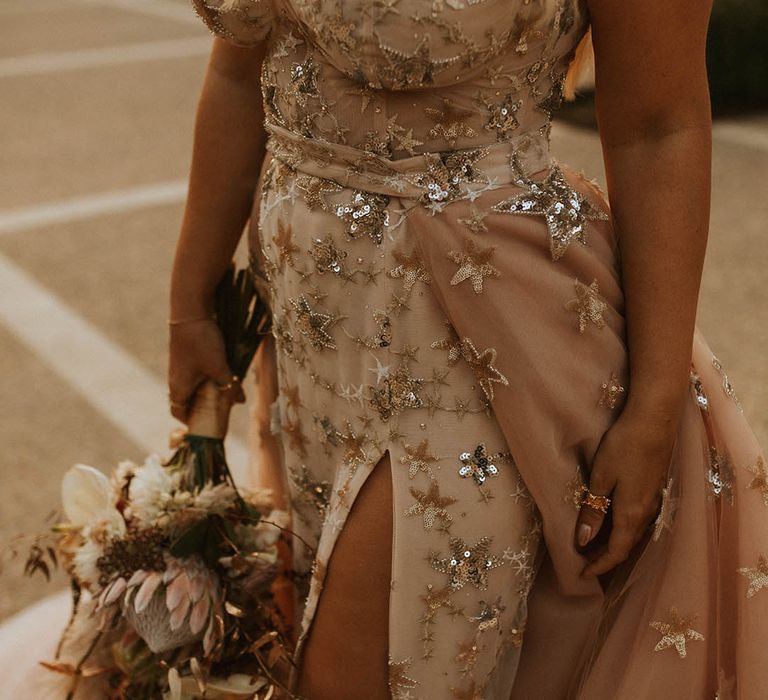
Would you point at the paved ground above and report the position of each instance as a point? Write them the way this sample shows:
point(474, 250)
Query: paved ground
point(96, 121)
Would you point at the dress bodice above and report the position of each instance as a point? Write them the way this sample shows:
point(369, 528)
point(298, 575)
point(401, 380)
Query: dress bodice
point(399, 77)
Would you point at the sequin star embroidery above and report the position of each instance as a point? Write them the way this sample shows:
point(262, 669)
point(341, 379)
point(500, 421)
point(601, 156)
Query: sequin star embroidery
point(477, 464)
point(475, 222)
point(760, 481)
point(676, 632)
point(315, 189)
point(565, 211)
point(473, 264)
point(502, 117)
point(410, 268)
point(452, 344)
point(467, 564)
point(327, 256)
point(727, 386)
point(758, 576)
point(481, 363)
point(611, 392)
point(669, 504)
point(418, 459)
point(397, 392)
point(489, 615)
point(698, 388)
point(399, 681)
point(720, 475)
point(285, 245)
point(588, 305)
point(313, 324)
point(450, 122)
point(312, 491)
point(431, 506)
point(366, 215)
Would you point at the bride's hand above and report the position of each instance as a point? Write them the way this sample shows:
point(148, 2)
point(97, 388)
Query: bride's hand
point(196, 353)
point(630, 467)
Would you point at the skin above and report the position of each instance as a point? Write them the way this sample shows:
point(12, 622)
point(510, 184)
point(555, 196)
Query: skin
point(655, 127)
point(653, 110)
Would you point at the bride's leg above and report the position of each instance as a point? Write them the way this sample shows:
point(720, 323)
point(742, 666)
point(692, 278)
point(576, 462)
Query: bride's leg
point(345, 655)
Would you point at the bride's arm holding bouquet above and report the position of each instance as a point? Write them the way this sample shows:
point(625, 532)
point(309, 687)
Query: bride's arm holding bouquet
point(226, 161)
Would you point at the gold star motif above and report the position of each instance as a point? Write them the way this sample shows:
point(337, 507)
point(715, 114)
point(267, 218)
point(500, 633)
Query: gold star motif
point(311, 491)
point(669, 504)
point(416, 70)
point(467, 564)
point(588, 305)
point(315, 188)
point(354, 453)
point(612, 392)
point(434, 600)
point(450, 122)
point(461, 407)
point(758, 576)
point(398, 678)
point(452, 344)
point(473, 264)
point(481, 363)
point(410, 268)
point(296, 437)
point(760, 482)
point(431, 505)
point(720, 475)
point(565, 211)
point(727, 386)
point(285, 245)
point(418, 459)
point(467, 656)
point(475, 222)
point(313, 324)
point(676, 632)
point(404, 139)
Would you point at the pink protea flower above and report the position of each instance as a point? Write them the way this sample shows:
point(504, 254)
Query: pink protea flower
point(170, 608)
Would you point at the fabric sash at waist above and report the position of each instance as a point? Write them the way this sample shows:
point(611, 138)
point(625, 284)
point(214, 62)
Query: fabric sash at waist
point(436, 176)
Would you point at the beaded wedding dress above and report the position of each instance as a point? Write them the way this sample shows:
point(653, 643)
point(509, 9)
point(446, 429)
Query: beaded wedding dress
point(444, 291)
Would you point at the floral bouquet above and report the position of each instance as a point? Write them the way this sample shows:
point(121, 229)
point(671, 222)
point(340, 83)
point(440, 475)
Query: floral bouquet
point(174, 571)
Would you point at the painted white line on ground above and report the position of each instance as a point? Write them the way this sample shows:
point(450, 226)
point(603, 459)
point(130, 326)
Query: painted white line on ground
point(181, 12)
point(60, 61)
point(78, 208)
point(749, 135)
point(104, 374)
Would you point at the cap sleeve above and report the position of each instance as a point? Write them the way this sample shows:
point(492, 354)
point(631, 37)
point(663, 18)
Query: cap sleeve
point(241, 22)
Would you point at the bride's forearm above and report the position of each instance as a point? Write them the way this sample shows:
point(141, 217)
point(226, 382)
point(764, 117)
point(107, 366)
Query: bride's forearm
point(228, 150)
point(660, 198)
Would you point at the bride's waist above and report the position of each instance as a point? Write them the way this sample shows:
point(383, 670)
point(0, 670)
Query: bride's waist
point(437, 176)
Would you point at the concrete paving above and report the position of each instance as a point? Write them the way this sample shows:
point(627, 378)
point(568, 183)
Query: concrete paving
point(82, 118)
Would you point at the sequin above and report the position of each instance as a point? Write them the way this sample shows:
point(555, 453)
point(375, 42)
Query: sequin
point(611, 392)
point(398, 391)
point(675, 632)
point(501, 117)
point(450, 122)
point(315, 189)
point(758, 576)
point(473, 265)
point(588, 305)
point(477, 465)
point(452, 344)
point(720, 475)
point(467, 564)
point(727, 386)
point(418, 459)
point(565, 211)
point(366, 215)
point(410, 268)
point(313, 324)
point(313, 492)
point(431, 506)
point(698, 388)
point(399, 681)
point(481, 364)
point(760, 480)
point(327, 256)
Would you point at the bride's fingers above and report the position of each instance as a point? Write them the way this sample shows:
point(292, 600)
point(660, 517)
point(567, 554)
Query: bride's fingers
point(622, 539)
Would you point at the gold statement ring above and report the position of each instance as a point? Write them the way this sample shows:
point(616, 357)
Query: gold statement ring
point(599, 503)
